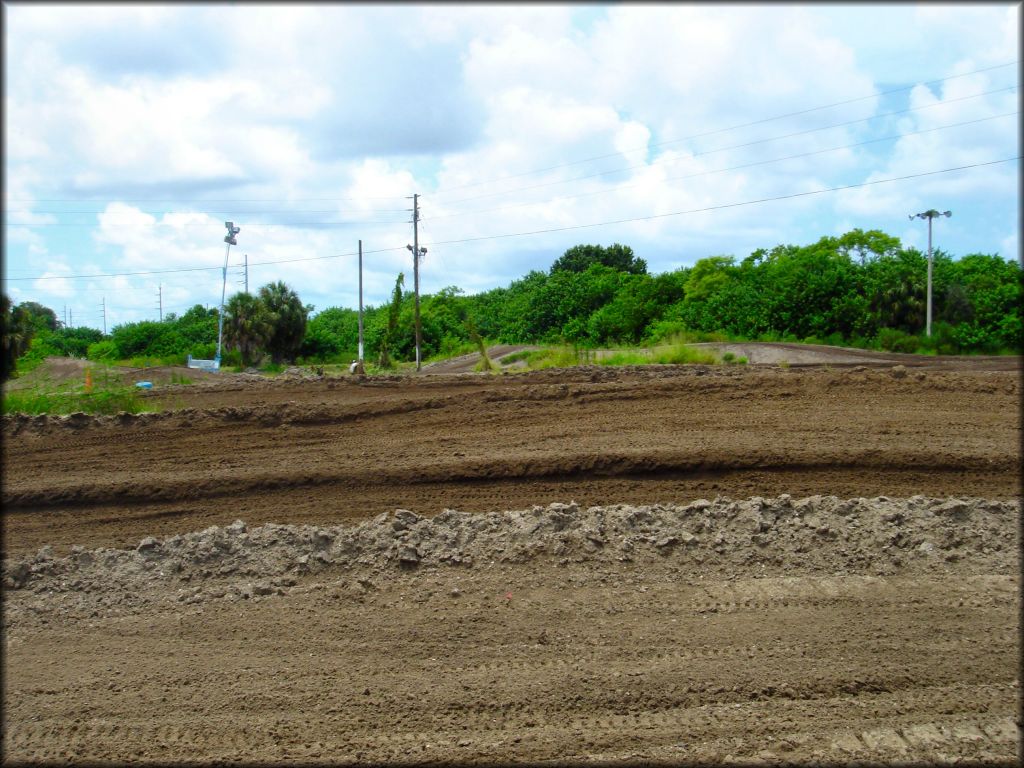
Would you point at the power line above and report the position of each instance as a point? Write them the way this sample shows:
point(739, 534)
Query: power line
point(728, 205)
point(737, 127)
point(544, 231)
point(232, 212)
point(618, 187)
point(338, 224)
point(235, 212)
point(733, 146)
point(206, 199)
point(192, 269)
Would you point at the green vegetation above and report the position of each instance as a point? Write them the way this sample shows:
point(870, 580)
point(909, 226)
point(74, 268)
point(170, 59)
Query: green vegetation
point(862, 289)
point(107, 396)
point(676, 353)
point(246, 326)
point(56, 402)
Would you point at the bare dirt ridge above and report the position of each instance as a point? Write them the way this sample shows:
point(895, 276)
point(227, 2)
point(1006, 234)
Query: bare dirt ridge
point(323, 450)
point(671, 564)
point(769, 630)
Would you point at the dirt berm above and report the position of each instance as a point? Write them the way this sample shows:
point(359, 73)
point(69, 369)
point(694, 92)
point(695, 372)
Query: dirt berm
point(762, 630)
point(329, 450)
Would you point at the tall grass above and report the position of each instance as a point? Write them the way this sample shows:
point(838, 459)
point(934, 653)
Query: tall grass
point(680, 353)
point(103, 401)
point(559, 357)
point(107, 395)
point(677, 353)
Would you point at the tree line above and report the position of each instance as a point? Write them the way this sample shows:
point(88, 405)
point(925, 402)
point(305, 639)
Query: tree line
point(861, 289)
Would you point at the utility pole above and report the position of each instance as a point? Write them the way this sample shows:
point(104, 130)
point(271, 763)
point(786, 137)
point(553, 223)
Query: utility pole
point(65, 315)
point(929, 214)
point(71, 316)
point(160, 299)
point(360, 304)
point(417, 252)
point(247, 273)
point(104, 310)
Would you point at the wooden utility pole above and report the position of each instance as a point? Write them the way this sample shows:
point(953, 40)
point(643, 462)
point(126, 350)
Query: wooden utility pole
point(360, 303)
point(416, 269)
point(160, 299)
point(247, 273)
point(104, 310)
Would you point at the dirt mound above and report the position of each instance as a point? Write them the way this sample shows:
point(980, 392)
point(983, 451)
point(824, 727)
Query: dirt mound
point(769, 536)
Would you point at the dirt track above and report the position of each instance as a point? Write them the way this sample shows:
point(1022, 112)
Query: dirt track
point(855, 630)
point(322, 451)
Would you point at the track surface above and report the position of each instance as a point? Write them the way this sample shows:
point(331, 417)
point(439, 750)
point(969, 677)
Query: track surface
point(534, 663)
point(549, 659)
point(329, 450)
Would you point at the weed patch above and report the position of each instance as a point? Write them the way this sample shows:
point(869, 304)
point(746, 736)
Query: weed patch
point(103, 401)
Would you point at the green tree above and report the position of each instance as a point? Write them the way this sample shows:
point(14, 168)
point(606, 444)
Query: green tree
point(579, 258)
point(147, 338)
point(288, 316)
point(247, 326)
point(867, 245)
point(708, 276)
point(16, 334)
point(42, 318)
point(73, 342)
point(394, 308)
point(896, 286)
point(198, 327)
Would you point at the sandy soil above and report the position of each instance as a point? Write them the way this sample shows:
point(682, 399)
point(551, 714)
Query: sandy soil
point(328, 628)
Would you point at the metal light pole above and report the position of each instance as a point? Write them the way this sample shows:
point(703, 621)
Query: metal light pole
point(929, 214)
point(230, 240)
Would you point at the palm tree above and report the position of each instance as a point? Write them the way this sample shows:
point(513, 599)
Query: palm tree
point(902, 304)
point(16, 334)
point(287, 320)
point(247, 326)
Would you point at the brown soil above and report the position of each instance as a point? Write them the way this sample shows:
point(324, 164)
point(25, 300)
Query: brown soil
point(343, 449)
point(813, 631)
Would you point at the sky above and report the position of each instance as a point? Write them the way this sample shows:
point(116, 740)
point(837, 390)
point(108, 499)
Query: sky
point(133, 132)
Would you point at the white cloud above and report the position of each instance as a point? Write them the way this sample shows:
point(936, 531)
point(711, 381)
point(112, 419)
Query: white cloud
point(298, 107)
